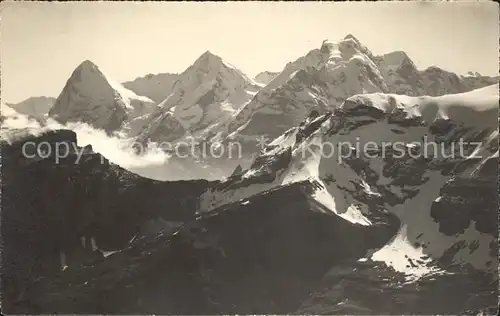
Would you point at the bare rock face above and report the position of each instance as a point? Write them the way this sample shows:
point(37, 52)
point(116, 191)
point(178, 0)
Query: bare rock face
point(91, 97)
point(237, 171)
point(469, 199)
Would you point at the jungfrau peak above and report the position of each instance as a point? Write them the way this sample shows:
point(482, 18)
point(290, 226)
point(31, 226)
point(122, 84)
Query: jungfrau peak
point(315, 59)
point(325, 77)
point(92, 97)
point(321, 79)
point(362, 47)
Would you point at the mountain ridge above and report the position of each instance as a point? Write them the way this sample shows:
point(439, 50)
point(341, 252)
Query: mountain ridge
point(362, 200)
point(206, 93)
point(348, 63)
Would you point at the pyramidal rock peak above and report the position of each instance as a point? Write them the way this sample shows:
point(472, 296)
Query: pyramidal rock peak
point(92, 97)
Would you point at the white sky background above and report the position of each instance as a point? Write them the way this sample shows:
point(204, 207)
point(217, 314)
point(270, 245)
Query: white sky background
point(42, 43)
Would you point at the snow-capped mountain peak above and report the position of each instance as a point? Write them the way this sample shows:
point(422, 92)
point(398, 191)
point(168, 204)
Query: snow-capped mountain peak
point(329, 56)
point(322, 78)
point(211, 63)
point(350, 36)
point(325, 77)
point(396, 58)
point(360, 45)
point(206, 93)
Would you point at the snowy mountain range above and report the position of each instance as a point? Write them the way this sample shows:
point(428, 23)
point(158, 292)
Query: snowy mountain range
point(375, 192)
point(325, 77)
point(370, 229)
point(214, 101)
point(206, 93)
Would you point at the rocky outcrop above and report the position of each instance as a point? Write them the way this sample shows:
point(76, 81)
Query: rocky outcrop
point(262, 255)
point(370, 288)
point(237, 171)
point(468, 200)
point(63, 205)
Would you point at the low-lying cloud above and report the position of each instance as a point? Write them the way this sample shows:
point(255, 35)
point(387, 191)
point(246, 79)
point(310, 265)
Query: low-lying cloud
point(154, 163)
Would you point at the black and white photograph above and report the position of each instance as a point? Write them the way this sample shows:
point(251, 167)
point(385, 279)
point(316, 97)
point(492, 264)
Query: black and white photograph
point(243, 158)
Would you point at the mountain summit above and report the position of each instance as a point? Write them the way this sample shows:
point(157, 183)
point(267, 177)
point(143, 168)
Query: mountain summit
point(92, 97)
point(206, 93)
point(324, 78)
point(321, 79)
point(208, 60)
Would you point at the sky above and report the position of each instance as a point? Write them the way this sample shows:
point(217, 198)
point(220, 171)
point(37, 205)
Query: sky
point(42, 43)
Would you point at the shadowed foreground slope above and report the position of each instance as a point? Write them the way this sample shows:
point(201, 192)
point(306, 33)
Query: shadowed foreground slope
point(73, 210)
point(277, 251)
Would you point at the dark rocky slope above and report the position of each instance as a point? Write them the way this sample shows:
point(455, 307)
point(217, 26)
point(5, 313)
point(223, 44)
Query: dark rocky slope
point(70, 207)
point(264, 255)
